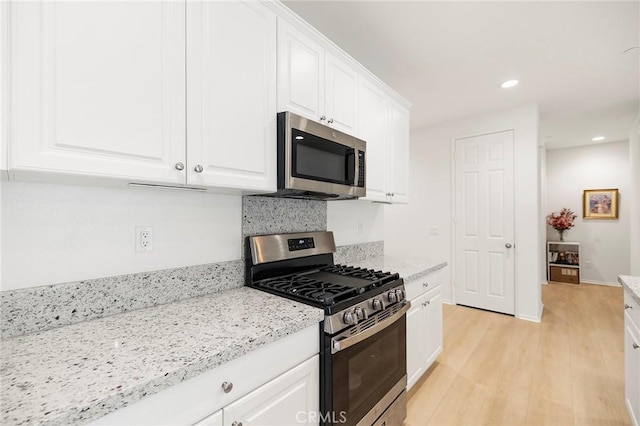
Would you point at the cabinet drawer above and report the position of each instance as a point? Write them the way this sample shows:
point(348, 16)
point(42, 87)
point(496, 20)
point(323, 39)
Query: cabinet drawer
point(415, 288)
point(631, 308)
point(564, 275)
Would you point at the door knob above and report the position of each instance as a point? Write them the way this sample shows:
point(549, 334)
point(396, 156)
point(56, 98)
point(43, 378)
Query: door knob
point(198, 168)
point(227, 386)
point(508, 245)
point(179, 166)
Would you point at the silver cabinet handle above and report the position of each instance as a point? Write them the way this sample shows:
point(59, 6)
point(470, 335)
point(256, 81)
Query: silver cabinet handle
point(227, 386)
point(198, 168)
point(179, 166)
point(323, 118)
point(236, 424)
point(635, 345)
point(330, 121)
point(425, 304)
point(628, 306)
point(425, 285)
point(508, 245)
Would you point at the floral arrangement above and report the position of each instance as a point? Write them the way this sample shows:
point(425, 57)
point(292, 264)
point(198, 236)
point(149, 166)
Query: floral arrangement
point(562, 221)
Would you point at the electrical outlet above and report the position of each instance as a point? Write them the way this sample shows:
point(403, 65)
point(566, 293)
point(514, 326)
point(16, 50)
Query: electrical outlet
point(587, 264)
point(144, 239)
point(360, 227)
point(434, 231)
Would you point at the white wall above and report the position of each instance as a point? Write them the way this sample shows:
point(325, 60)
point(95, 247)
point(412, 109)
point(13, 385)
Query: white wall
point(604, 243)
point(355, 221)
point(424, 227)
point(60, 233)
point(634, 198)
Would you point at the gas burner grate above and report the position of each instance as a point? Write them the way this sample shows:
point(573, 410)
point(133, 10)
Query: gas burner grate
point(308, 288)
point(363, 273)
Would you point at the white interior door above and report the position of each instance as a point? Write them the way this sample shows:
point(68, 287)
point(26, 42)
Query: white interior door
point(484, 222)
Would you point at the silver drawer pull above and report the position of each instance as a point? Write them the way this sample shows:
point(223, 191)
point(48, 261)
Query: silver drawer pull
point(227, 387)
point(628, 306)
point(425, 285)
point(236, 424)
point(635, 345)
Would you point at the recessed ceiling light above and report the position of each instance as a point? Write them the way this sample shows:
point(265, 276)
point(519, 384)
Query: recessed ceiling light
point(299, 137)
point(509, 83)
point(598, 138)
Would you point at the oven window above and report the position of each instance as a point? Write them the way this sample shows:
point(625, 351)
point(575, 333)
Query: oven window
point(364, 373)
point(320, 159)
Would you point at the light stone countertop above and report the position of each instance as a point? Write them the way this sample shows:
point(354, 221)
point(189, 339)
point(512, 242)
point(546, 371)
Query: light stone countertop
point(632, 284)
point(83, 371)
point(408, 268)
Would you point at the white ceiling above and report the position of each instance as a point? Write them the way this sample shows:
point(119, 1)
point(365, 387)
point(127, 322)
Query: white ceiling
point(449, 57)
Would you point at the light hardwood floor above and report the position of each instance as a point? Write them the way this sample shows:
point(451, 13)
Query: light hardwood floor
point(498, 370)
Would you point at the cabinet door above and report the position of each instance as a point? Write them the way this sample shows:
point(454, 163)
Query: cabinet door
point(399, 153)
point(231, 105)
point(416, 342)
point(433, 319)
point(97, 89)
point(213, 420)
point(300, 73)
point(372, 124)
point(341, 92)
point(632, 370)
point(290, 399)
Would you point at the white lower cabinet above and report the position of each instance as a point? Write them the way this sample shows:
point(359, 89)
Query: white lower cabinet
point(287, 400)
point(632, 358)
point(277, 384)
point(213, 420)
point(424, 326)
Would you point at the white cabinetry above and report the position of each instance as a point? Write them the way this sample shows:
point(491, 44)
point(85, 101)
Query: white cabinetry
point(99, 90)
point(231, 99)
point(269, 386)
point(632, 357)
point(384, 125)
point(424, 325)
point(314, 83)
point(286, 400)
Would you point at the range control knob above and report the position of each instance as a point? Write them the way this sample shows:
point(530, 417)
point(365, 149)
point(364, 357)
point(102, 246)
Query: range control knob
point(400, 295)
point(361, 314)
point(349, 318)
point(391, 297)
point(376, 304)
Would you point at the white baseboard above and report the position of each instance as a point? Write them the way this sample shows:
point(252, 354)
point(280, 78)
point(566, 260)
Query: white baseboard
point(545, 282)
point(601, 283)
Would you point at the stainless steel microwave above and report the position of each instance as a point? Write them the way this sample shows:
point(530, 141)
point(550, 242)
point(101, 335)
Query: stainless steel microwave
point(318, 162)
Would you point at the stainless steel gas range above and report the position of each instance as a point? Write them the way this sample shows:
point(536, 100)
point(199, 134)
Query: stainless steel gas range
point(363, 335)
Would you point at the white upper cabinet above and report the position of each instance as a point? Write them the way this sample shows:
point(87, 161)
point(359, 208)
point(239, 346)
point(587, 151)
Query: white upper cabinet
point(231, 99)
point(372, 125)
point(399, 155)
point(384, 125)
point(97, 89)
point(313, 83)
point(341, 95)
point(300, 73)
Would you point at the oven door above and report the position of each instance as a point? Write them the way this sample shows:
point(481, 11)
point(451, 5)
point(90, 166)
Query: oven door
point(368, 373)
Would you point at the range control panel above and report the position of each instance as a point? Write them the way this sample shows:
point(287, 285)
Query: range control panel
point(301, 244)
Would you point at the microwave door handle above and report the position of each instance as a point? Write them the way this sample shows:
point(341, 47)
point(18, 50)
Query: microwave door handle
point(340, 344)
point(351, 166)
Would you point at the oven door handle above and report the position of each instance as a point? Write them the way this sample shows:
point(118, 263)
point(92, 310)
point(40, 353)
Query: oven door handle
point(338, 345)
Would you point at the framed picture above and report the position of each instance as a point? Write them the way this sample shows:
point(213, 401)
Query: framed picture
point(600, 204)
